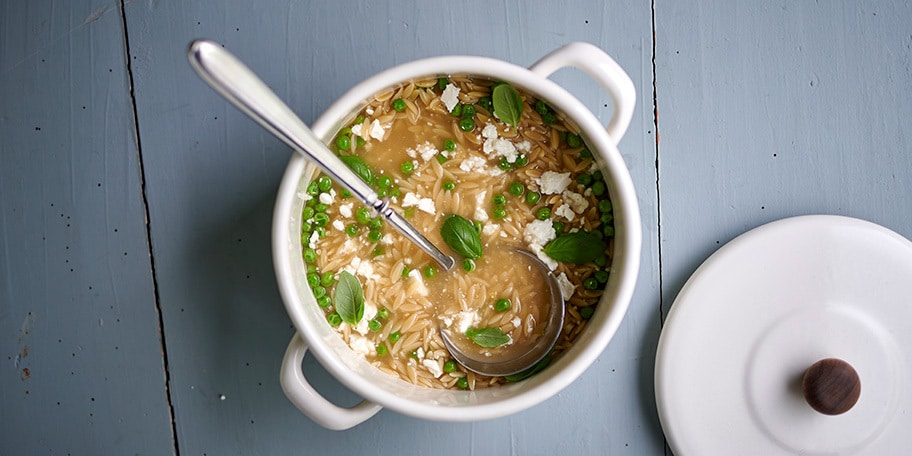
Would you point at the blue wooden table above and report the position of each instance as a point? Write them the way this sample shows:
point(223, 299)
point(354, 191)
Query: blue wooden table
point(138, 308)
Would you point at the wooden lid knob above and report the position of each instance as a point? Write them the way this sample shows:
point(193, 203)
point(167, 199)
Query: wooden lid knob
point(831, 386)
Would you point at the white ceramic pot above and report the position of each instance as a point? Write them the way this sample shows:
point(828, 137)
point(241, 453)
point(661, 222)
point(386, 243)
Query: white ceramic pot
point(381, 390)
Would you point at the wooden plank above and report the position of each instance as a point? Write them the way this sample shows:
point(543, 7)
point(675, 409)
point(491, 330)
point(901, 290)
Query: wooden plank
point(82, 369)
point(211, 176)
point(776, 109)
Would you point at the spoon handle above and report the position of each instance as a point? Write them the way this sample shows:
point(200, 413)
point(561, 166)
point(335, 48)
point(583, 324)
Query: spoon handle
point(239, 85)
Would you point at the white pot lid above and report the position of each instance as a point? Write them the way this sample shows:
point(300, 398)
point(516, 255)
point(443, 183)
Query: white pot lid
point(765, 307)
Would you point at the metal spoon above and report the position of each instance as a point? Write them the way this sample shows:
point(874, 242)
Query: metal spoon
point(239, 85)
point(476, 361)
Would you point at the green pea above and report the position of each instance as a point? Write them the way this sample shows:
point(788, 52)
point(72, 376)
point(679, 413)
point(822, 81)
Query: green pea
point(321, 232)
point(405, 271)
point(499, 199)
point(598, 188)
point(574, 140)
point(504, 164)
point(334, 319)
point(306, 228)
point(449, 186)
point(352, 230)
point(601, 275)
point(377, 251)
point(313, 189)
point(478, 226)
point(407, 167)
point(558, 227)
point(517, 189)
point(462, 383)
point(449, 145)
point(541, 108)
point(442, 83)
point(591, 283)
point(383, 313)
point(345, 131)
point(543, 213)
point(395, 192)
point(374, 235)
point(359, 120)
point(385, 181)
point(548, 118)
point(601, 261)
point(466, 124)
point(382, 350)
point(608, 231)
point(597, 234)
point(362, 215)
point(487, 103)
point(430, 271)
point(320, 207)
point(441, 158)
point(324, 301)
point(499, 213)
point(521, 161)
point(324, 183)
point(597, 175)
point(449, 366)
point(343, 142)
point(502, 305)
point(327, 279)
point(374, 325)
point(383, 193)
point(457, 110)
point(586, 312)
point(584, 179)
point(399, 104)
point(468, 110)
point(375, 223)
point(308, 213)
point(585, 153)
point(319, 292)
point(606, 218)
point(394, 336)
point(313, 279)
point(533, 197)
point(604, 206)
point(346, 193)
point(321, 219)
point(359, 141)
point(468, 265)
point(310, 255)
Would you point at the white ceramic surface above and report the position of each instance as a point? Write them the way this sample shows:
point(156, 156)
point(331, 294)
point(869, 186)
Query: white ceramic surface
point(765, 307)
point(380, 390)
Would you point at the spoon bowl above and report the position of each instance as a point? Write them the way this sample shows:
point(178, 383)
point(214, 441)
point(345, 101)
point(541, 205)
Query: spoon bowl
point(527, 360)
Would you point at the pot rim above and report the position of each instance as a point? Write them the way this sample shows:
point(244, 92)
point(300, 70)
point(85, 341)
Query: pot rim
point(625, 263)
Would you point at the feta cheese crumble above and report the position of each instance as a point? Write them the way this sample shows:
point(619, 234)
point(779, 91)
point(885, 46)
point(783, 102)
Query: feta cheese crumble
point(552, 183)
point(450, 96)
point(377, 131)
point(423, 204)
point(566, 287)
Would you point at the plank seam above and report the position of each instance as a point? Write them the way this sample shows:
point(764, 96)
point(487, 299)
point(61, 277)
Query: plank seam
point(145, 204)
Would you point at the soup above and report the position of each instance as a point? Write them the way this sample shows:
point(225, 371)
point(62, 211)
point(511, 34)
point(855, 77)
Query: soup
point(480, 169)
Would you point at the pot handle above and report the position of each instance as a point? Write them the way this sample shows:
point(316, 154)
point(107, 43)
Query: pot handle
point(601, 67)
point(310, 402)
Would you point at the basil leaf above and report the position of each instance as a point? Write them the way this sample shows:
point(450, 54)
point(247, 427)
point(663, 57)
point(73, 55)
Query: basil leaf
point(359, 167)
point(461, 236)
point(579, 247)
point(488, 337)
point(507, 103)
point(349, 298)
